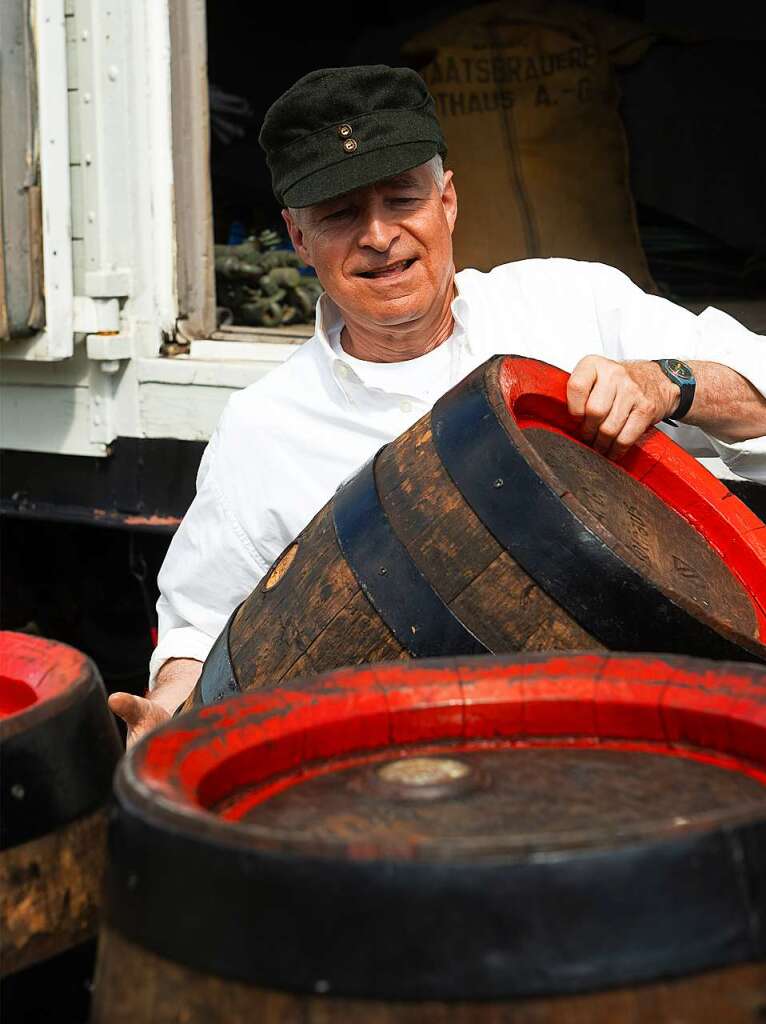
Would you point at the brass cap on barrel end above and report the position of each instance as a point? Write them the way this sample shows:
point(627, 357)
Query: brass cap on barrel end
point(426, 778)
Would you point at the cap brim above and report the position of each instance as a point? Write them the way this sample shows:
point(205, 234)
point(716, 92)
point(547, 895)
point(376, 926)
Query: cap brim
point(356, 171)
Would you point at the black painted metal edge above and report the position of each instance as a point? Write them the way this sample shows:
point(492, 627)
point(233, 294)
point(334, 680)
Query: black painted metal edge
point(401, 595)
point(572, 564)
point(59, 769)
point(578, 921)
point(218, 678)
point(142, 484)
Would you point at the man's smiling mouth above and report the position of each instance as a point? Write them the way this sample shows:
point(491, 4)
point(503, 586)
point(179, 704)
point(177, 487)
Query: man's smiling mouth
point(389, 271)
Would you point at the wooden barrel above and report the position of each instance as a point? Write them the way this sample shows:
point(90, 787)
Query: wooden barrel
point(489, 527)
point(547, 839)
point(58, 749)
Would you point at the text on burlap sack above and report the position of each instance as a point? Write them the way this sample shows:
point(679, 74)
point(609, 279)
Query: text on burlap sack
point(534, 73)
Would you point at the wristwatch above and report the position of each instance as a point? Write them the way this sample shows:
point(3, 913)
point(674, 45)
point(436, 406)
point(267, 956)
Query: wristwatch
point(682, 375)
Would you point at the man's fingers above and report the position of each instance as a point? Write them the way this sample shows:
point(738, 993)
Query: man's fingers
point(616, 402)
point(635, 426)
point(139, 714)
point(614, 422)
point(579, 387)
point(598, 408)
point(131, 709)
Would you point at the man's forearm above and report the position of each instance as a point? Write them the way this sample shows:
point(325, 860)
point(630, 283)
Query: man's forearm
point(725, 404)
point(175, 681)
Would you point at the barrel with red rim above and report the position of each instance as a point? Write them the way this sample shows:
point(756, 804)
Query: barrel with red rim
point(490, 527)
point(581, 837)
point(58, 749)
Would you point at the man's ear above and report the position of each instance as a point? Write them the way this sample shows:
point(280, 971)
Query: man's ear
point(449, 200)
point(296, 237)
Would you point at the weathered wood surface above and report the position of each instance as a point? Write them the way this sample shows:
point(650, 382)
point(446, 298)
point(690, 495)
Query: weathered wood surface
point(314, 618)
point(455, 828)
point(310, 614)
point(50, 892)
point(134, 986)
point(59, 746)
point(530, 800)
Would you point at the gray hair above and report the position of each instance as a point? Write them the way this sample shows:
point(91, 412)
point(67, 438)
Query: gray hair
point(435, 165)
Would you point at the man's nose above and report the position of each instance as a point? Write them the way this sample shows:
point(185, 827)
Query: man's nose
point(376, 232)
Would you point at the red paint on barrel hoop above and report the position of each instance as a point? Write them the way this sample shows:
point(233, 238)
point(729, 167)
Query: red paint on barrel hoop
point(33, 670)
point(535, 395)
point(267, 741)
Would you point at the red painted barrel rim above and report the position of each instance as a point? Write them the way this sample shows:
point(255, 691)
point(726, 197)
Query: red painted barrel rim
point(34, 670)
point(535, 395)
point(681, 899)
point(713, 712)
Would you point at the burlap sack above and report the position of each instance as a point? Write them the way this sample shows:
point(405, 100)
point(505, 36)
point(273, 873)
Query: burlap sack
point(527, 98)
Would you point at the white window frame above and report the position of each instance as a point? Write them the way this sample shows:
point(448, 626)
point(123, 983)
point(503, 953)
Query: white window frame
point(56, 340)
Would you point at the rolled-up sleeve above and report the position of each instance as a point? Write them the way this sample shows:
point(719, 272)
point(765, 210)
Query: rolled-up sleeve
point(210, 567)
point(635, 325)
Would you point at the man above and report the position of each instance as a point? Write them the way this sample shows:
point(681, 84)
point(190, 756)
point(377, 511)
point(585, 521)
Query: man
point(356, 161)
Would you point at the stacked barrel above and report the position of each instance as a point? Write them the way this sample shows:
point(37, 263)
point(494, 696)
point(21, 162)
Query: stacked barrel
point(547, 838)
point(531, 828)
point(58, 749)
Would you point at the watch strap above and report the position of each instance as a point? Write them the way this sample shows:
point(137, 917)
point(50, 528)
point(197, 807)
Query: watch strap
point(686, 382)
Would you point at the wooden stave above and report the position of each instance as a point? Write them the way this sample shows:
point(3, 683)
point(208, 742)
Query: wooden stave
point(135, 986)
point(332, 684)
point(44, 912)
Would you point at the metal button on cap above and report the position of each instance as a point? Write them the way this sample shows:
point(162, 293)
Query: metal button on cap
point(350, 145)
point(344, 130)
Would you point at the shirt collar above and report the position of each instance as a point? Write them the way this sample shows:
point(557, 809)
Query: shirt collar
point(329, 321)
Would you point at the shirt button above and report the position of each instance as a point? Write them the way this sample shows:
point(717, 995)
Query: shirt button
point(405, 406)
point(344, 371)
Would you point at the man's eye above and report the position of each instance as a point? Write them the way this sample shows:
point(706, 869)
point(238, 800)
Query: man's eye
point(404, 200)
point(339, 214)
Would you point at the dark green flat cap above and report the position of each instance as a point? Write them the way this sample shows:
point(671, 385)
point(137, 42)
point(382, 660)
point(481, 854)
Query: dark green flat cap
point(338, 129)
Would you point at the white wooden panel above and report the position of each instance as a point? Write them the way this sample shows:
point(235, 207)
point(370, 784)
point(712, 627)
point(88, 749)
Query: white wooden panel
point(189, 413)
point(78, 200)
point(270, 353)
point(78, 265)
point(105, 125)
point(68, 372)
point(70, 27)
point(57, 340)
point(75, 144)
point(47, 419)
point(212, 372)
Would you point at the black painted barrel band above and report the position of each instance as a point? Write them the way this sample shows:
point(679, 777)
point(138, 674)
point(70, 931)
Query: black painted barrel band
point(580, 921)
point(399, 592)
point(567, 560)
point(218, 678)
point(58, 770)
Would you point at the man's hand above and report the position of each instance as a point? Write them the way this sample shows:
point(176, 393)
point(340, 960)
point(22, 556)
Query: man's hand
point(141, 714)
point(618, 402)
point(175, 681)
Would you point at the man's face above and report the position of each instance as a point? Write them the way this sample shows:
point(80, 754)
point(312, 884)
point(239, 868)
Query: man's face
point(383, 253)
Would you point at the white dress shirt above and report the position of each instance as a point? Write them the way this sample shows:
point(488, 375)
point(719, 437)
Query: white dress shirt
point(284, 444)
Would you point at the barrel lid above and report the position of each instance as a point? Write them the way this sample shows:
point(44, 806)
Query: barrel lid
point(438, 829)
point(58, 740)
point(535, 396)
point(650, 552)
point(34, 670)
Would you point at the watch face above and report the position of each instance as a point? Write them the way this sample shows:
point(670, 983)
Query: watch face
point(679, 369)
